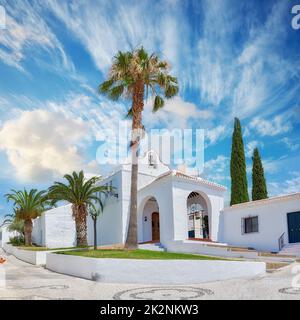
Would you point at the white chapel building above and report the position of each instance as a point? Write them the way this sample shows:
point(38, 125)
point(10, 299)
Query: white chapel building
point(181, 212)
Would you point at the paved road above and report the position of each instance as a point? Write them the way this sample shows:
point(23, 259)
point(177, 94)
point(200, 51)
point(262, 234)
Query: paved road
point(25, 281)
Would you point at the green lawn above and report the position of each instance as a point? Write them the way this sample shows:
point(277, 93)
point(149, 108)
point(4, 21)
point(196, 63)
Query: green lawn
point(137, 254)
point(35, 248)
point(32, 248)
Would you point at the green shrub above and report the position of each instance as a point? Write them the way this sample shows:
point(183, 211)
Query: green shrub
point(17, 240)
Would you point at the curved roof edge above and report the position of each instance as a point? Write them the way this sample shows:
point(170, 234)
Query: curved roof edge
point(184, 176)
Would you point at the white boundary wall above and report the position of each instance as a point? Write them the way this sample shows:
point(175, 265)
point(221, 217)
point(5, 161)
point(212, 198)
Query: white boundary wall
point(152, 271)
point(33, 257)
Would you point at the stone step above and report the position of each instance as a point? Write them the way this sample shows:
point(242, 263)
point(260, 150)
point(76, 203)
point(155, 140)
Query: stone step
point(291, 248)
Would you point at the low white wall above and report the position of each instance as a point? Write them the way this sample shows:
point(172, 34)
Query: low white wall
point(33, 257)
point(199, 248)
point(152, 271)
point(272, 220)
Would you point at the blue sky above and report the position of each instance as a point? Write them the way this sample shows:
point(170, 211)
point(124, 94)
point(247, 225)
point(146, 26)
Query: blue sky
point(232, 58)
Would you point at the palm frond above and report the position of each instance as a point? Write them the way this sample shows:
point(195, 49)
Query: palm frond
point(116, 92)
point(130, 68)
point(106, 86)
point(158, 103)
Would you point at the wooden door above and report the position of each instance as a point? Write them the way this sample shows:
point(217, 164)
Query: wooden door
point(155, 226)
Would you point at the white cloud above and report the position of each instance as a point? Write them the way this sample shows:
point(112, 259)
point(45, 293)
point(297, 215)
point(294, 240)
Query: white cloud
point(278, 125)
point(213, 135)
point(217, 169)
point(271, 166)
point(175, 114)
point(251, 146)
point(218, 164)
point(41, 145)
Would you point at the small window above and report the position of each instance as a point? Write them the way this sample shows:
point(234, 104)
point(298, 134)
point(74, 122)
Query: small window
point(250, 225)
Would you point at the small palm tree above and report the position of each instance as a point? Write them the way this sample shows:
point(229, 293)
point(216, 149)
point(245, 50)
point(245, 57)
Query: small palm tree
point(13, 224)
point(81, 193)
point(132, 75)
point(16, 226)
point(28, 206)
point(8, 219)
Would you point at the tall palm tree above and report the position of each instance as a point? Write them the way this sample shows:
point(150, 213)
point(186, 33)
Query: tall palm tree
point(81, 193)
point(132, 75)
point(28, 206)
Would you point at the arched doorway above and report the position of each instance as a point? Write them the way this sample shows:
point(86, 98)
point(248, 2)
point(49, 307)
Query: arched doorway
point(197, 217)
point(151, 224)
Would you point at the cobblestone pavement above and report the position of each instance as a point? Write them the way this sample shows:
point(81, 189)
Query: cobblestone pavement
point(25, 281)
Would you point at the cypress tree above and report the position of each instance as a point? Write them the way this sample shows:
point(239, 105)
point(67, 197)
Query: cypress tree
point(259, 187)
point(239, 185)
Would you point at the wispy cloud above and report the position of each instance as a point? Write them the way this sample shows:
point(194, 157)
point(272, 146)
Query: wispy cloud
point(290, 185)
point(217, 169)
point(292, 146)
point(27, 32)
point(280, 124)
point(113, 25)
point(251, 146)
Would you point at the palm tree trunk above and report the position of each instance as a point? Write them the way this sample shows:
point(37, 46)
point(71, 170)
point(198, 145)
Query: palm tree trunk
point(95, 233)
point(137, 108)
point(80, 214)
point(28, 232)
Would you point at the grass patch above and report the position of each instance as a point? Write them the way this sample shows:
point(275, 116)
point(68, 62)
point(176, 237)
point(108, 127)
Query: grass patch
point(137, 254)
point(32, 248)
point(36, 248)
point(271, 266)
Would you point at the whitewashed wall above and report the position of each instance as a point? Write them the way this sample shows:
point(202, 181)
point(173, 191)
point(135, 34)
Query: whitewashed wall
point(55, 228)
point(214, 201)
point(171, 194)
point(272, 219)
point(37, 231)
point(60, 228)
point(109, 224)
point(141, 271)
